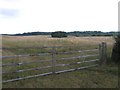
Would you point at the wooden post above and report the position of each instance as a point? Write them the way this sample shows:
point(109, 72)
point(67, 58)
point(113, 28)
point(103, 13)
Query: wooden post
point(53, 62)
point(100, 54)
point(103, 53)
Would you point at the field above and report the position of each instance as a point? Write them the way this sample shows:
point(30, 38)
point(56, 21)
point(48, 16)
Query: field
point(28, 41)
point(96, 77)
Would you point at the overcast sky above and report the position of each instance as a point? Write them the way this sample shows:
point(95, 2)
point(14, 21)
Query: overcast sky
point(19, 16)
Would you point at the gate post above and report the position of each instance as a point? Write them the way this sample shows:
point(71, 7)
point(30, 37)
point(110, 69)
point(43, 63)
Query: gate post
point(103, 53)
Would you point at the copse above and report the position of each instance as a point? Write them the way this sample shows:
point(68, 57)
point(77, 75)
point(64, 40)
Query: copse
point(59, 34)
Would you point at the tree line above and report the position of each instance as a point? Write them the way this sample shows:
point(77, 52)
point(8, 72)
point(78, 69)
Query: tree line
point(74, 33)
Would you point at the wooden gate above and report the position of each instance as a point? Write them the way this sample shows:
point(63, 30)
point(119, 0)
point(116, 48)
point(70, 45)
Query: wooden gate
point(29, 62)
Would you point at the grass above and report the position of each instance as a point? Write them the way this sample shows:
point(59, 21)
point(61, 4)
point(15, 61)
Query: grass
point(105, 76)
point(29, 41)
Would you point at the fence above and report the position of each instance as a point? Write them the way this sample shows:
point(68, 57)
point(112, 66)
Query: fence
point(43, 61)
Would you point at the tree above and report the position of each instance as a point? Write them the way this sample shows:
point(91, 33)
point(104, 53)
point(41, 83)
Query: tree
point(59, 34)
point(116, 50)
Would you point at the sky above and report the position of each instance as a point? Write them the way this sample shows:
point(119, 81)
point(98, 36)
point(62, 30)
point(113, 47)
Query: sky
point(19, 16)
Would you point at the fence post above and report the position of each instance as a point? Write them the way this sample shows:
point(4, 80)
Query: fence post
point(53, 62)
point(103, 52)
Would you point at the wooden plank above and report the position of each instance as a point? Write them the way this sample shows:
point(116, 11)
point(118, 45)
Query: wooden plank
point(44, 74)
point(44, 54)
point(17, 79)
point(24, 70)
point(76, 51)
point(7, 48)
point(16, 56)
point(77, 63)
point(76, 69)
point(78, 57)
point(16, 64)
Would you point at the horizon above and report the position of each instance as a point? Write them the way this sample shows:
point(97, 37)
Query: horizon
point(56, 31)
point(19, 16)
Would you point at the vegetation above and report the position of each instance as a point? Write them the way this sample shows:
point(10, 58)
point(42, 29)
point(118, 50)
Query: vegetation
point(59, 34)
point(91, 33)
point(33, 33)
point(74, 33)
point(116, 50)
point(96, 77)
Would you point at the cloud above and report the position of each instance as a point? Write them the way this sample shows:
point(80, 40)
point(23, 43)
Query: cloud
point(9, 0)
point(8, 13)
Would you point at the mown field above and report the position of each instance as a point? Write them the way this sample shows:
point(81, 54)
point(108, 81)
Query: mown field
point(105, 76)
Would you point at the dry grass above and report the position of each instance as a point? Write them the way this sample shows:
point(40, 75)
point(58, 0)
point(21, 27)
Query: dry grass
point(22, 41)
point(98, 77)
